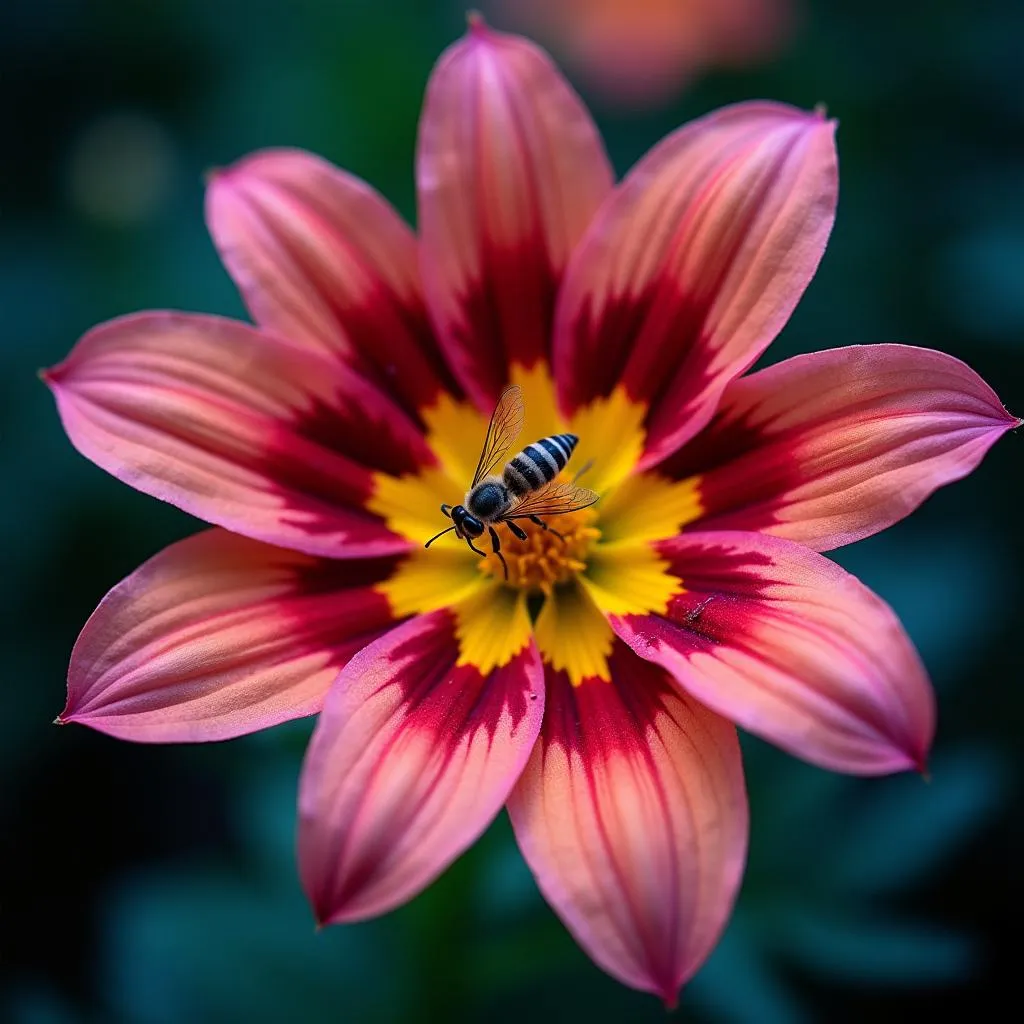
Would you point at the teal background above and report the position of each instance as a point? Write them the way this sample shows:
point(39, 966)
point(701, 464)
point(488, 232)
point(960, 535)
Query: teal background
point(157, 884)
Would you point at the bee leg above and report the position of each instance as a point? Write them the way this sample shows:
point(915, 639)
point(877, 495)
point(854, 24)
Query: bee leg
point(516, 529)
point(496, 548)
point(544, 526)
point(472, 547)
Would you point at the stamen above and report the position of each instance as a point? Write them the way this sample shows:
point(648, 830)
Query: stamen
point(544, 559)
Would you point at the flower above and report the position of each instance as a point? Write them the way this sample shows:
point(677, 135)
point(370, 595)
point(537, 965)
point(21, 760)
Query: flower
point(641, 52)
point(595, 691)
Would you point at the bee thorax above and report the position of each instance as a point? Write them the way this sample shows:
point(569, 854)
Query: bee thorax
point(488, 499)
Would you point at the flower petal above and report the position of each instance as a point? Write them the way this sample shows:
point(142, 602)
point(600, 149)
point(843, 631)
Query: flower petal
point(632, 814)
point(828, 448)
point(791, 647)
point(321, 259)
point(694, 265)
point(413, 756)
point(510, 170)
point(238, 428)
point(220, 635)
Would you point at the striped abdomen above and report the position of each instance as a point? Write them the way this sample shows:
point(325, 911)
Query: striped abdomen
point(538, 464)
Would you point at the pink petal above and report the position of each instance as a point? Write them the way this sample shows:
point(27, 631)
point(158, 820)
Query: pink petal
point(412, 758)
point(835, 446)
point(632, 814)
point(237, 428)
point(695, 263)
point(792, 648)
point(220, 635)
point(323, 260)
point(510, 170)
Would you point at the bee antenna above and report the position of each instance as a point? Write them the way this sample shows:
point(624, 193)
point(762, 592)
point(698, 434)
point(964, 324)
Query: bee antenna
point(436, 535)
point(585, 468)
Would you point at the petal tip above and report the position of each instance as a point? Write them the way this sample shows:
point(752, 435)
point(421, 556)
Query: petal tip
point(1003, 419)
point(233, 177)
point(321, 906)
point(911, 757)
point(51, 375)
point(217, 179)
point(901, 748)
point(329, 910)
point(479, 34)
point(818, 120)
point(809, 123)
point(820, 115)
point(69, 716)
point(667, 989)
point(72, 716)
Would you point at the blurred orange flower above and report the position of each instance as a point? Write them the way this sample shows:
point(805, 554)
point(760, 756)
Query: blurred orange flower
point(641, 52)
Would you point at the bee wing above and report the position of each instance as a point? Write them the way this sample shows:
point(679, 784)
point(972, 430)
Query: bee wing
point(554, 500)
point(505, 426)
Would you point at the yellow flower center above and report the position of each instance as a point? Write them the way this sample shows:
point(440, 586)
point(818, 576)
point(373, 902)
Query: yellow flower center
point(546, 557)
point(577, 579)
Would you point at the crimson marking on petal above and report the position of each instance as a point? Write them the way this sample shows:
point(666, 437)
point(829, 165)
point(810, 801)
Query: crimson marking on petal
point(694, 264)
point(581, 719)
point(515, 319)
point(632, 815)
point(344, 591)
point(240, 428)
point(365, 431)
point(619, 316)
point(412, 758)
point(468, 700)
point(220, 635)
point(362, 424)
point(788, 645)
point(321, 258)
point(831, 447)
point(510, 170)
point(722, 441)
point(415, 382)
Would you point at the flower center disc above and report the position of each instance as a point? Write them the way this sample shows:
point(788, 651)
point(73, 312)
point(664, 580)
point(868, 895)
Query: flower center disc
point(544, 559)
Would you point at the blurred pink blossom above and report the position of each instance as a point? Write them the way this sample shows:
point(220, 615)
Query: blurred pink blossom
point(641, 52)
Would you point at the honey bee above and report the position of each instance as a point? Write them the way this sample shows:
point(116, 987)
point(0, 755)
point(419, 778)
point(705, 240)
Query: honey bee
point(525, 488)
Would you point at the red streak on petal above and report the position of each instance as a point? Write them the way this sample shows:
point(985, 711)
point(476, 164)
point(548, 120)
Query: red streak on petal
point(468, 704)
point(514, 319)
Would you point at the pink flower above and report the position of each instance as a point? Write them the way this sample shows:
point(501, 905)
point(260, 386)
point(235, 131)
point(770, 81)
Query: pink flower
point(641, 52)
point(594, 692)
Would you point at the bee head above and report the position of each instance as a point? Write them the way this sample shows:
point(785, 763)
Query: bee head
point(466, 523)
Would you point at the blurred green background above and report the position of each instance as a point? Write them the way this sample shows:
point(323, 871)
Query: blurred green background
point(152, 885)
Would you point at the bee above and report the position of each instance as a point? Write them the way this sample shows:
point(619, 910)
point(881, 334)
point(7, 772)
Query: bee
point(525, 488)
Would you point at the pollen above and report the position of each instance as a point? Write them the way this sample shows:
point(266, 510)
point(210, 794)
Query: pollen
point(546, 558)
